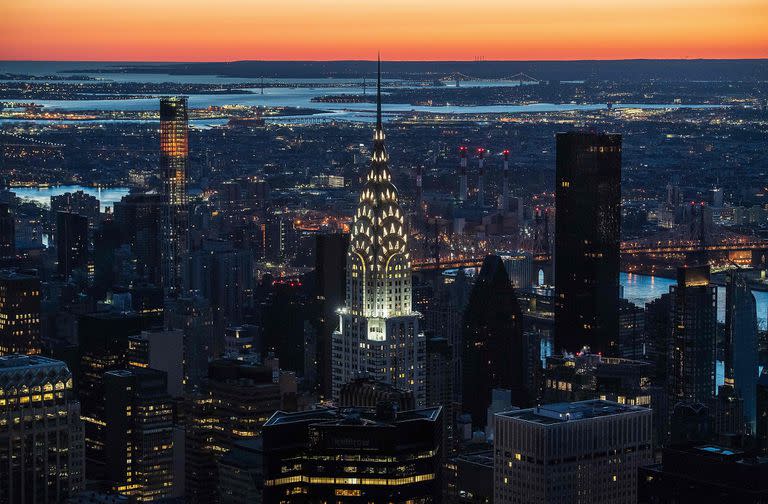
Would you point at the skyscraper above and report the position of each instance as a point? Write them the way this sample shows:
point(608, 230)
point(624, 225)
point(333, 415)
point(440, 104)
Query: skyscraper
point(463, 174)
point(140, 217)
point(7, 231)
point(41, 435)
point(138, 445)
point(174, 160)
point(588, 206)
point(103, 341)
point(492, 355)
point(19, 313)
point(379, 334)
point(71, 242)
point(741, 344)
point(691, 360)
point(240, 395)
point(330, 285)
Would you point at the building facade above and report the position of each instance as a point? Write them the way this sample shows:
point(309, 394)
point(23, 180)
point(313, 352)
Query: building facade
point(691, 359)
point(587, 236)
point(174, 162)
point(139, 434)
point(41, 435)
point(741, 344)
point(19, 313)
point(330, 455)
point(581, 452)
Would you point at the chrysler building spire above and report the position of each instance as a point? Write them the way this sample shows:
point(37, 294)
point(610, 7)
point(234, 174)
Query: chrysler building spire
point(378, 335)
point(379, 272)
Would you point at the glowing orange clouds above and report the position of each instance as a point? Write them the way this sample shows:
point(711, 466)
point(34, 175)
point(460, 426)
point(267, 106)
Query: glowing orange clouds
point(225, 30)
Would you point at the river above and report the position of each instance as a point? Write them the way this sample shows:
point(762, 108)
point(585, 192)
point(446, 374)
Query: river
point(289, 97)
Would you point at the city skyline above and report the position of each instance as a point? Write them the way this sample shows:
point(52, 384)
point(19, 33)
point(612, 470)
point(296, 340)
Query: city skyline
point(431, 30)
point(433, 282)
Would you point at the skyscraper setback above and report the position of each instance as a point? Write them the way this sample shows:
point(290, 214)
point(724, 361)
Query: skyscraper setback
point(379, 334)
point(174, 160)
point(588, 206)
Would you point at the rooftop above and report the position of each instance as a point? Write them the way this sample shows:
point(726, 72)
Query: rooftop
point(350, 416)
point(20, 361)
point(556, 413)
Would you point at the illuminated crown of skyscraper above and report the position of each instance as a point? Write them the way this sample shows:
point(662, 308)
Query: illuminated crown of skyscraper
point(379, 267)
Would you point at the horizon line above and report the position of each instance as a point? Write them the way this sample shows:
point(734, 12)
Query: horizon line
point(356, 60)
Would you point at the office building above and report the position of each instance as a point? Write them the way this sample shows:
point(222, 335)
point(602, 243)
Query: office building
point(330, 455)
point(440, 387)
point(78, 202)
point(139, 434)
point(162, 350)
point(41, 435)
point(632, 342)
point(330, 285)
point(587, 451)
point(103, 343)
point(193, 316)
point(586, 376)
point(493, 352)
point(140, 217)
point(283, 316)
point(239, 396)
point(379, 334)
point(691, 360)
point(223, 275)
point(741, 344)
point(241, 473)
point(587, 235)
point(470, 478)
point(71, 242)
point(19, 313)
point(7, 231)
point(174, 161)
point(519, 267)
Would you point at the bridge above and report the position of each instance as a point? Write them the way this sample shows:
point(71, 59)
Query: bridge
point(671, 247)
point(459, 77)
point(627, 248)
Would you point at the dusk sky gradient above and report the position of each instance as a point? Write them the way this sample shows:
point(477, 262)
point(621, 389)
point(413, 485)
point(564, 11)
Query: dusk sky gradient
point(228, 30)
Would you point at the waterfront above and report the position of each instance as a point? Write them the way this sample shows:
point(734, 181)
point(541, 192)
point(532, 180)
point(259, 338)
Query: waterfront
point(638, 289)
point(641, 289)
point(42, 195)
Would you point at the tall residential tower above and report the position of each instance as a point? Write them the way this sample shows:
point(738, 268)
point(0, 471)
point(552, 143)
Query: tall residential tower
point(174, 160)
point(379, 335)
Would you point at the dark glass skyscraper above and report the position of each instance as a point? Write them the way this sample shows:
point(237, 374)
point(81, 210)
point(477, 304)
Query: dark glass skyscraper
point(331, 288)
point(174, 161)
point(7, 231)
point(588, 205)
point(71, 242)
point(492, 355)
point(741, 343)
point(691, 360)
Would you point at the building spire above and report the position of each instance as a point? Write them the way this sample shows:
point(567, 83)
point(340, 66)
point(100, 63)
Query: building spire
point(378, 93)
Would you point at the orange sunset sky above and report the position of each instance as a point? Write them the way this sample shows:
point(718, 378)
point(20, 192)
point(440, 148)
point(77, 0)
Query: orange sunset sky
point(227, 30)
